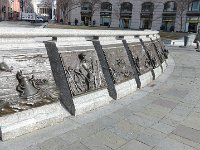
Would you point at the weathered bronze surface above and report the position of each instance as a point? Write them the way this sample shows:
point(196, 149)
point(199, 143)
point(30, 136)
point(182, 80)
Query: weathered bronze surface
point(26, 86)
point(143, 63)
point(105, 68)
point(83, 72)
point(133, 63)
point(163, 52)
point(119, 64)
point(5, 67)
point(151, 53)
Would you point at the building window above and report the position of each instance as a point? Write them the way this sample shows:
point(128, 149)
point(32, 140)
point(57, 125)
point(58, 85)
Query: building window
point(86, 13)
point(170, 7)
point(86, 6)
point(106, 6)
point(146, 15)
point(148, 7)
point(105, 14)
point(126, 7)
point(194, 6)
point(125, 15)
point(169, 16)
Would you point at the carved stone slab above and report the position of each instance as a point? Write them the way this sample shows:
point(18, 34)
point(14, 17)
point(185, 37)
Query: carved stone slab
point(142, 61)
point(119, 63)
point(83, 71)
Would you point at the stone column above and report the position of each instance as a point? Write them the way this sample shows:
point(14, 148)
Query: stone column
point(135, 18)
point(115, 13)
point(157, 15)
point(178, 23)
point(96, 15)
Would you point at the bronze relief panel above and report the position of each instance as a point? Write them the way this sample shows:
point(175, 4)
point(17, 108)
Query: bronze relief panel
point(162, 51)
point(83, 71)
point(142, 60)
point(152, 53)
point(119, 64)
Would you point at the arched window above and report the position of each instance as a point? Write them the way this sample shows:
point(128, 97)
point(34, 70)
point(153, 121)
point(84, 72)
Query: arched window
point(194, 6)
point(170, 6)
point(86, 13)
point(147, 7)
point(86, 6)
point(126, 7)
point(125, 15)
point(105, 14)
point(106, 6)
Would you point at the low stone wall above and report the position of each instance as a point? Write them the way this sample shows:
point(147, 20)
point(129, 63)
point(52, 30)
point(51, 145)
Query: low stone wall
point(91, 83)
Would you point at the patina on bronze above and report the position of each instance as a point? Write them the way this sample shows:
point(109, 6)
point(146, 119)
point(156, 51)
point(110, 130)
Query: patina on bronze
point(26, 86)
point(133, 63)
point(119, 64)
point(106, 69)
point(150, 53)
point(142, 61)
point(159, 44)
point(159, 52)
point(83, 71)
point(5, 67)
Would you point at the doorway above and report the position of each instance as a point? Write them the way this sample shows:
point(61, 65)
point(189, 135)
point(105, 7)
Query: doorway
point(86, 20)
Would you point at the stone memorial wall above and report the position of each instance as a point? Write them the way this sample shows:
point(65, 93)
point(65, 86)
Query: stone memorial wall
point(42, 85)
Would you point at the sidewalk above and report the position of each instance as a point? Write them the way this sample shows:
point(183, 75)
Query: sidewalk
point(162, 116)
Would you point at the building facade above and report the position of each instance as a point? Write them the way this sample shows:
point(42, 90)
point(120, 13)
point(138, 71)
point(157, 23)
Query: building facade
point(9, 9)
point(135, 14)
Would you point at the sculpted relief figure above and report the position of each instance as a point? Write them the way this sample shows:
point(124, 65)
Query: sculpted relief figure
point(26, 86)
point(85, 76)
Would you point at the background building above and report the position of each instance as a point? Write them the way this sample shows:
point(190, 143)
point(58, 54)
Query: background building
point(135, 14)
point(9, 9)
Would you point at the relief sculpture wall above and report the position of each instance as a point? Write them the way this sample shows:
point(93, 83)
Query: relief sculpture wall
point(142, 60)
point(119, 64)
point(27, 80)
point(83, 72)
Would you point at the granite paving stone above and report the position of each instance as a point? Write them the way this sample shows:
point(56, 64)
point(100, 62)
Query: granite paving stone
point(165, 103)
point(76, 146)
point(192, 121)
point(133, 144)
point(110, 139)
point(188, 133)
point(53, 144)
point(185, 141)
point(164, 128)
point(127, 130)
point(94, 144)
point(141, 120)
point(171, 144)
point(151, 137)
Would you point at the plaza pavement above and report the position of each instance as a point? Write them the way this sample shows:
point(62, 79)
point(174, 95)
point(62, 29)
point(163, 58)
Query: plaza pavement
point(20, 24)
point(165, 115)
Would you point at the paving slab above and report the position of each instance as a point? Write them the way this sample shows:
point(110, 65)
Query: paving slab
point(151, 137)
point(136, 145)
point(188, 133)
point(109, 139)
point(171, 144)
